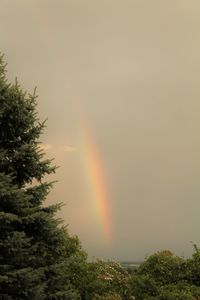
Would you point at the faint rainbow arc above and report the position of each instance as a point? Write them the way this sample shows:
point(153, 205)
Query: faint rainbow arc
point(95, 175)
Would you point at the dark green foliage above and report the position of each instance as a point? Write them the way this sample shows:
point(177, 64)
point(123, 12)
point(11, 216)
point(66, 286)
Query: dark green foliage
point(143, 286)
point(106, 280)
point(164, 276)
point(164, 267)
point(193, 267)
point(36, 253)
point(108, 296)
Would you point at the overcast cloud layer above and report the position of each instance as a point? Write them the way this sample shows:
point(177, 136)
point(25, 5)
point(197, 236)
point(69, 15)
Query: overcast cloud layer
point(132, 68)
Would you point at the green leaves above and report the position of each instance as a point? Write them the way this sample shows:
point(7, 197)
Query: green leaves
point(19, 132)
point(164, 276)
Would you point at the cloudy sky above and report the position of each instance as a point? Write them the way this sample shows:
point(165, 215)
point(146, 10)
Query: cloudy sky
point(130, 69)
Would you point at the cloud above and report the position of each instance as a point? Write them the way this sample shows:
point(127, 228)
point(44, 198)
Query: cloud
point(67, 148)
point(57, 149)
point(46, 146)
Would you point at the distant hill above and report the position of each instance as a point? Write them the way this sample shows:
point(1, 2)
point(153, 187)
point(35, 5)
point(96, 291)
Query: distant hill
point(130, 264)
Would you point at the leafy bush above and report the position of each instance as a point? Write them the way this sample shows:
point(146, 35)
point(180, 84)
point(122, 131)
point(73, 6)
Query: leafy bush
point(108, 296)
point(164, 267)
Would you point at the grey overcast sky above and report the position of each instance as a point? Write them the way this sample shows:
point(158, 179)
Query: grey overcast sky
point(131, 69)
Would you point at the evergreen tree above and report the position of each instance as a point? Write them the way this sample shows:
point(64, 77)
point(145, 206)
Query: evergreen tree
point(36, 251)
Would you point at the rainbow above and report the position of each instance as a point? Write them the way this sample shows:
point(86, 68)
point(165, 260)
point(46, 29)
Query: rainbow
point(98, 189)
point(92, 161)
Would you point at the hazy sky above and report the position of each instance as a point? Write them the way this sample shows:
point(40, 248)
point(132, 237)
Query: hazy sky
point(131, 69)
